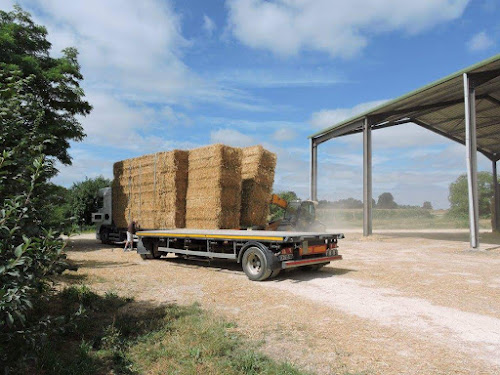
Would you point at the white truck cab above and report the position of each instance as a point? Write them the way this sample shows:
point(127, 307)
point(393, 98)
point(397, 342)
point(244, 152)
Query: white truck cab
point(103, 216)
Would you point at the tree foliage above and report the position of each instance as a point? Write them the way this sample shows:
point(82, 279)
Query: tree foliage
point(83, 198)
point(40, 98)
point(350, 203)
point(459, 195)
point(427, 205)
point(53, 86)
point(26, 262)
point(386, 200)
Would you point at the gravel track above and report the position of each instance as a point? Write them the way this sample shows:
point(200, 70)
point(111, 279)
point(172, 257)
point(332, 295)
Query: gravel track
point(400, 303)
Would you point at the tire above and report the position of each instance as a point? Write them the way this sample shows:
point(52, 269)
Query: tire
point(104, 234)
point(255, 264)
point(275, 273)
point(152, 246)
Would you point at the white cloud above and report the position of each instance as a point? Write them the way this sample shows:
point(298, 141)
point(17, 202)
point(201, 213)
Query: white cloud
point(339, 28)
point(329, 117)
point(85, 164)
point(400, 136)
point(406, 135)
point(176, 118)
point(208, 25)
point(120, 37)
point(113, 122)
point(132, 49)
point(480, 42)
point(282, 77)
point(232, 137)
point(284, 134)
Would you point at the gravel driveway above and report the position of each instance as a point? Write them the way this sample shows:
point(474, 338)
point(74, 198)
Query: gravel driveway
point(399, 303)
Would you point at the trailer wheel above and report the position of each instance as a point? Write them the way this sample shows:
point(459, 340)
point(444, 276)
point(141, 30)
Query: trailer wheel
point(255, 264)
point(275, 273)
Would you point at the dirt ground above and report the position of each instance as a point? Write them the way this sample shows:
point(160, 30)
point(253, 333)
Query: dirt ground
point(398, 303)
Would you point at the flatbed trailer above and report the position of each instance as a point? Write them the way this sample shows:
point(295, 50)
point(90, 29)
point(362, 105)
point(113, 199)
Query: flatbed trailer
point(262, 254)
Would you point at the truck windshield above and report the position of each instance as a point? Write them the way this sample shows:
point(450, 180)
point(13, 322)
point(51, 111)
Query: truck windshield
point(291, 211)
point(100, 202)
point(308, 211)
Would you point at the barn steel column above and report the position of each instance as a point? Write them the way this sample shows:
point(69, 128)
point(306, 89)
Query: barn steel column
point(496, 201)
point(367, 178)
point(471, 145)
point(314, 170)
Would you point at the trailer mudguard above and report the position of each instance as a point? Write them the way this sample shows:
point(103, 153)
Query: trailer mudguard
point(141, 249)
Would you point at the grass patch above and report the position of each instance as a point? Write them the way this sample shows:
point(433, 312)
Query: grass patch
point(113, 335)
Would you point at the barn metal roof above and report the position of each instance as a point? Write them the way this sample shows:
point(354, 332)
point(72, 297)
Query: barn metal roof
point(439, 107)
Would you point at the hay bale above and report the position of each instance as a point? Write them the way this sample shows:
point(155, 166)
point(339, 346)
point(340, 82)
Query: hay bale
point(257, 174)
point(213, 196)
point(151, 189)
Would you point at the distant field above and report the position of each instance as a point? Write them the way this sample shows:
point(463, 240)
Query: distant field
point(400, 218)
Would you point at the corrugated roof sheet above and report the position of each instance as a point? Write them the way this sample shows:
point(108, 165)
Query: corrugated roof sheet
point(439, 107)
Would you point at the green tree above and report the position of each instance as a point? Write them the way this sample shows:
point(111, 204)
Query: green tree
point(29, 256)
point(53, 84)
point(83, 198)
point(277, 212)
point(459, 195)
point(348, 203)
point(386, 200)
point(427, 205)
point(40, 99)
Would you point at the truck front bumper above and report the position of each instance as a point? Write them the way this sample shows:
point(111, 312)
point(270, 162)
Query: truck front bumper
point(309, 262)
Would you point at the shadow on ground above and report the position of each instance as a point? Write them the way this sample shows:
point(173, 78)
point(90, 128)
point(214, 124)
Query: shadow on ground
point(226, 266)
point(298, 275)
point(220, 265)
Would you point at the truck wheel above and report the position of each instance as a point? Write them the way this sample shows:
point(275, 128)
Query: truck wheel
point(255, 264)
point(104, 234)
point(152, 246)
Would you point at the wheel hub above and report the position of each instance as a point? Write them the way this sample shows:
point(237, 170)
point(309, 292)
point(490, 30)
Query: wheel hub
point(254, 263)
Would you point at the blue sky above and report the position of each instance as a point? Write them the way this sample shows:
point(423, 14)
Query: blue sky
point(179, 74)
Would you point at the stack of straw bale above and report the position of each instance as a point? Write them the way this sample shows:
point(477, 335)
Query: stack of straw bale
point(257, 173)
point(214, 188)
point(151, 189)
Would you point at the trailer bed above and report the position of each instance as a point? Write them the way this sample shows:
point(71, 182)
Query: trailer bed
point(263, 254)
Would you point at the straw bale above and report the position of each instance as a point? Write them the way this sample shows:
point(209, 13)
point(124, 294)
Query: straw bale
point(213, 196)
point(258, 167)
point(151, 189)
point(171, 199)
point(119, 194)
